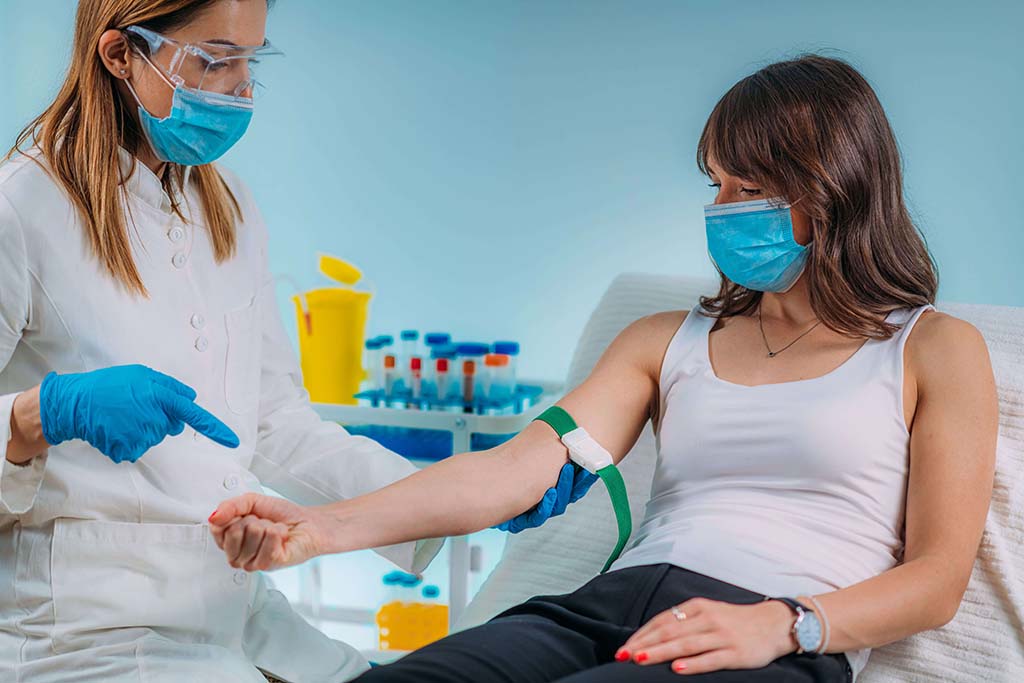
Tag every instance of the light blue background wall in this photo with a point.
(493, 165)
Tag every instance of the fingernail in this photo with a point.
(212, 515)
(641, 657)
(622, 655)
(679, 667)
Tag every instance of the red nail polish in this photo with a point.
(679, 666)
(641, 657)
(621, 655)
(210, 518)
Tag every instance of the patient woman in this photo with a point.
(824, 435)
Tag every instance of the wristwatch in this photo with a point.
(806, 629)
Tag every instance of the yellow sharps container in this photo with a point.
(332, 325)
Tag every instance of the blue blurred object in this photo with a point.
(400, 578)
(415, 444)
(472, 349)
(433, 339)
(525, 396)
(509, 348)
(444, 351)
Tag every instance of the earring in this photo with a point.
(123, 72)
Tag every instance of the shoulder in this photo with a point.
(26, 182)
(945, 350)
(662, 323)
(648, 338)
(24, 186)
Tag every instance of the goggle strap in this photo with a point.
(158, 71)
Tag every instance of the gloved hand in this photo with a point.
(123, 411)
(573, 484)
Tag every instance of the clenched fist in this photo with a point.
(260, 532)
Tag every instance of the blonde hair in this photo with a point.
(80, 132)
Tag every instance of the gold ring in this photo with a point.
(678, 613)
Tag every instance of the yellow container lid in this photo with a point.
(338, 270)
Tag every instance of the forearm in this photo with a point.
(456, 496)
(27, 440)
(919, 595)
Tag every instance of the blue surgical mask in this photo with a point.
(201, 127)
(752, 244)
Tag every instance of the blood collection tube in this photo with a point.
(510, 349)
(468, 378)
(443, 378)
(390, 375)
(372, 364)
(416, 380)
(499, 381)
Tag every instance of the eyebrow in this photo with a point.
(222, 41)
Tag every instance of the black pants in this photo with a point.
(573, 638)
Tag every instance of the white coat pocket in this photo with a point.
(109, 578)
(242, 364)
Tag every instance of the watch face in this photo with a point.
(808, 631)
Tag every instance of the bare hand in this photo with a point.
(260, 532)
(713, 635)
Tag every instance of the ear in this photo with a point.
(113, 51)
(803, 232)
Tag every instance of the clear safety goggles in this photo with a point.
(220, 68)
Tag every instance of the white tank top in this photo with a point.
(783, 489)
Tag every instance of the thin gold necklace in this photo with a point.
(772, 354)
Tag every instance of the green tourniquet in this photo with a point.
(561, 421)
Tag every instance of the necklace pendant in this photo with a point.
(771, 354)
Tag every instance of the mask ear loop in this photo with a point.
(131, 89)
(186, 176)
(154, 67)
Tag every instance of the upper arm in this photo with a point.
(615, 401)
(952, 444)
(622, 392)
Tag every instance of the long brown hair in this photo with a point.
(812, 130)
(79, 134)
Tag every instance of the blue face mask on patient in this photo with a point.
(752, 244)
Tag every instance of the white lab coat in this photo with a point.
(108, 571)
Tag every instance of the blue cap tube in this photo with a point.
(437, 338)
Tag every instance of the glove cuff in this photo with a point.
(50, 401)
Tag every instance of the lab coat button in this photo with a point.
(198, 321)
(178, 260)
(175, 234)
(231, 482)
(240, 578)
(202, 343)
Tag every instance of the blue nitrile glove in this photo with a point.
(123, 411)
(573, 484)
